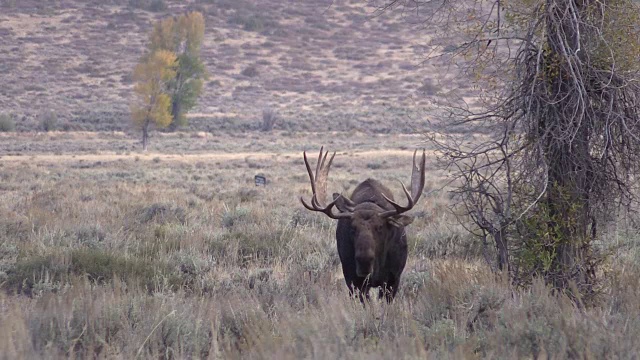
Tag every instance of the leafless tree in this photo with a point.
(561, 107)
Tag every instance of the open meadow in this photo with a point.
(110, 252)
(107, 252)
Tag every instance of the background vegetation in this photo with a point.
(560, 104)
(108, 252)
(322, 67)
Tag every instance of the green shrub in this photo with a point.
(9, 3)
(374, 165)
(48, 121)
(99, 267)
(29, 272)
(234, 217)
(450, 48)
(162, 214)
(90, 235)
(69, 329)
(222, 246)
(250, 71)
(248, 195)
(428, 88)
(269, 119)
(6, 123)
(255, 23)
(139, 4)
(151, 5)
(158, 5)
(165, 239)
(66, 126)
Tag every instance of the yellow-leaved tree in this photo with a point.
(151, 104)
(182, 35)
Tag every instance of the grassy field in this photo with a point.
(107, 252)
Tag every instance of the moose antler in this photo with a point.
(319, 187)
(417, 185)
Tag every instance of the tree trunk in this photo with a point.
(145, 135)
(567, 156)
(176, 103)
(176, 109)
(501, 248)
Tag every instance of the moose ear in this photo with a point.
(400, 220)
(343, 204)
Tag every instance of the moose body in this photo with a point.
(370, 235)
(373, 252)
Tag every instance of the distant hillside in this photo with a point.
(323, 64)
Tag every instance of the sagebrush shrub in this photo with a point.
(250, 71)
(48, 121)
(6, 123)
(269, 119)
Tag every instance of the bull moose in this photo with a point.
(371, 238)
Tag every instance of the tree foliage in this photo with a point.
(561, 92)
(152, 105)
(182, 35)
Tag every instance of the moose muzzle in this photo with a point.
(364, 266)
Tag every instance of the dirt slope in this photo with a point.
(325, 65)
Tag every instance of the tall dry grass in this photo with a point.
(183, 257)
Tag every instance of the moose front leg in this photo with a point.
(388, 290)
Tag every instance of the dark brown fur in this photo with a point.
(371, 240)
(373, 250)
